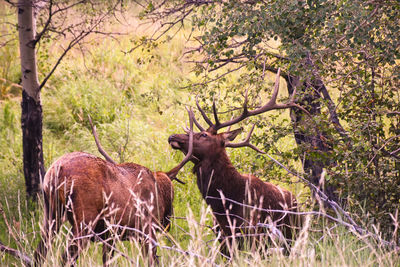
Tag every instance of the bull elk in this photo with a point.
(89, 192)
(230, 194)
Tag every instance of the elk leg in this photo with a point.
(75, 245)
(149, 247)
(224, 250)
(230, 243)
(150, 251)
(226, 247)
(224, 235)
(108, 250)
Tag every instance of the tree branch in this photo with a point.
(16, 253)
(83, 34)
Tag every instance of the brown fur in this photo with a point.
(216, 175)
(88, 190)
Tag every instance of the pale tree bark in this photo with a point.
(54, 20)
(31, 114)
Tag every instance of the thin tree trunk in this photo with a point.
(314, 139)
(31, 116)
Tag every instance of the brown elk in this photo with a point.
(238, 201)
(93, 194)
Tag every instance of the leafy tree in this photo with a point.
(342, 59)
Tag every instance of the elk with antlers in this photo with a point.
(99, 197)
(238, 201)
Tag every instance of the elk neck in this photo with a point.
(216, 174)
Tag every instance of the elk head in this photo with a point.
(205, 143)
(174, 171)
(209, 143)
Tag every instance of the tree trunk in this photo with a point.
(31, 116)
(314, 160)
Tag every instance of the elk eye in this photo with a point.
(203, 135)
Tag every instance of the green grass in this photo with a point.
(320, 244)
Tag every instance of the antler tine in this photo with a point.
(197, 124)
(96, 139)
(244, 107)
(267, 107)
(215, 115)
(209, 122)
(172, 173)
(246, 142)
(272, 102)
(190, 149)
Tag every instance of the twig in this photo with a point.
(98, 237)
(16, 253)
(82, 35)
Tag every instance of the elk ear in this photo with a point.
(231, 135)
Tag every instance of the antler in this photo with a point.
(96, 139)
(246, 113)
(204, 116)
(246, 142)
(172, 173)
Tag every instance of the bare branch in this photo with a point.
(155, 243)
(320, 87)
(393, 153)
(16, 253)
(216, 78)
(10, 230)
(169, 25)
(143, 234)
(3, 44)
(78, 38)
(46, 25)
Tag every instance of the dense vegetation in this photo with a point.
(137, 100)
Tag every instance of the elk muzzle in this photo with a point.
(179, 141)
